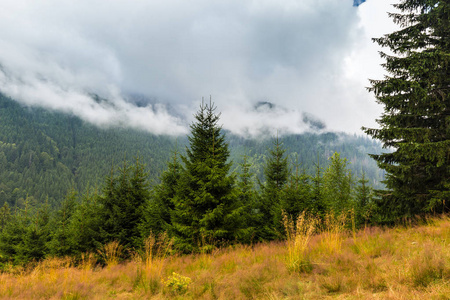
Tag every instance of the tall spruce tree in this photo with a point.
(206, 209)
(416, 119)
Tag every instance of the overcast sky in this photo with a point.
(307, 57)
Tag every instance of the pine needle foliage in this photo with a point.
(205, 204)
(416, 119)
(276, 174)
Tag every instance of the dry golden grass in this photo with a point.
(111, 253)
(398, 263)
(298, 236)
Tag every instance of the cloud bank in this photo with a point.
(309, 58)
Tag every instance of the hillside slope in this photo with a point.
(43, 154)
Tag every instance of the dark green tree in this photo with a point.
(11, 237)
(35, 240)
(416, 119)
(84, 225)
(122, 204)
(60, 244)
(318, 202)
(337, 185)
(364, 200)
(5, 215)
(205, 204)
(297, 193)
(276, 175)
(247, 198)
(158, 210)
(26, 236)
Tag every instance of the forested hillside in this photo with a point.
(45, 154)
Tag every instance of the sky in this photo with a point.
(268, 65)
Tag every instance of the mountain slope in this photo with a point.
(44, 154)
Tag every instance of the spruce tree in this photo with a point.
(122, 204)
(36, 238)
(317, 192)
(158, 210)
(337, 185)
(247, 199)
(59, 244)
(416, 119)
(205, 206)
(363, 197)
(5, 215)
(276, 175)
(84, 224)
(297, 193)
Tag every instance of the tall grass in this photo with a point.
(151, 261)
(111, 253)
(298, 234)
(396, 263)
(332, 232)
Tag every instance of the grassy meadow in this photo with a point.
(316, 262)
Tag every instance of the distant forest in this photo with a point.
(44, 154)
(199, 197)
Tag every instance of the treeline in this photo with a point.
(44, 155)
(198, 202)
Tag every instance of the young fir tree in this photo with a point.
(11, 236)
(363, 197)
(59, 244)
(337, 185)
(276, 175)
(247, 199)
(416, 99)
(122, 204)
(297, 193)
(5, 215)
(26, 236)
(158, 210)
(205, 206)
(84, 225)
(35, 240)
(318, 203)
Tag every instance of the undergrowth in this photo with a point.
(314, 262)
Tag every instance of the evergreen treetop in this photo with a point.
(205, 205)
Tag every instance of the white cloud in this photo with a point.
(305, 56)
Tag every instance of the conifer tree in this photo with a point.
(84, 225)
(35, 240)
(276, 175)
(416, 99)
(205, 204)
(247, 199)
(297, 193)
(122, 204)
(317, 189)
(337, 185)
(59, 244)
(363, 199)
(5, 215)
(158, 210)
(11, 237)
